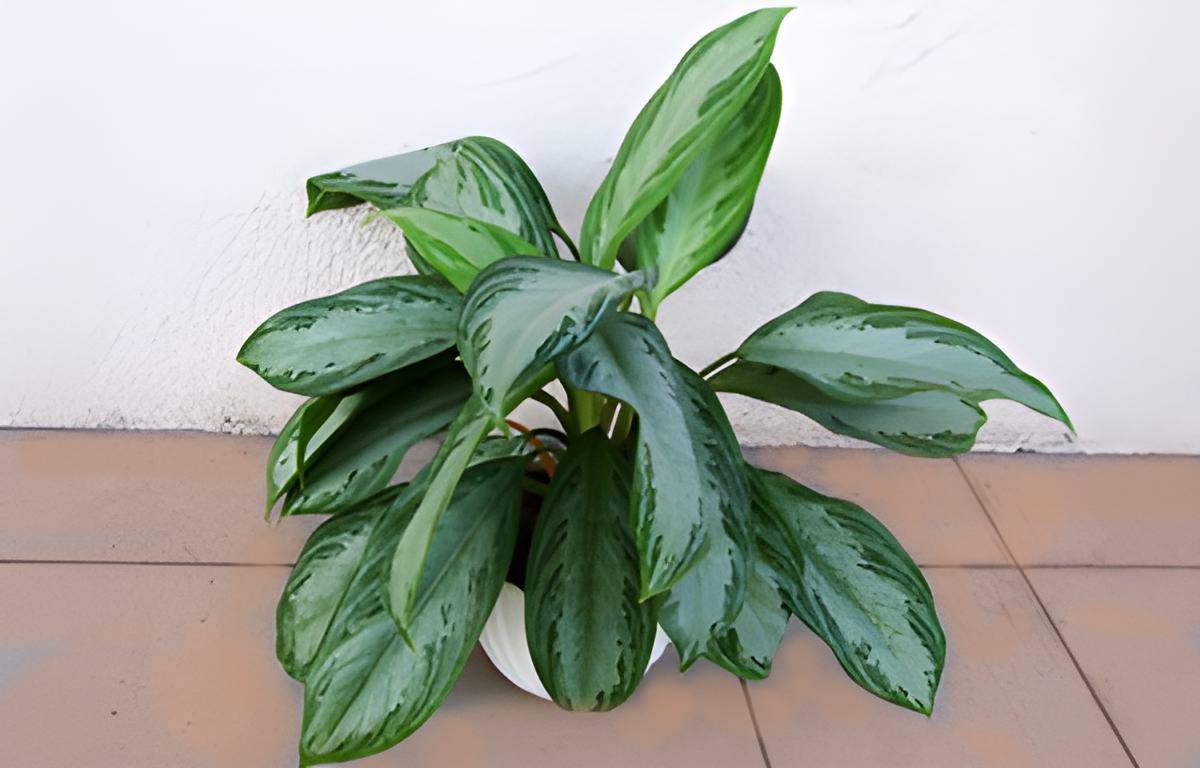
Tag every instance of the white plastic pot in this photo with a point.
(503, 641)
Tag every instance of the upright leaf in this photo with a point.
(710, 85)
(455, 246)
(859, 352)
(368, 689)
(521, 313)
(689, 493)
(363, 454)
(331, 344)
(932, 423)
(706, 211)
(589, 635)
(477, 177)
(849, 580)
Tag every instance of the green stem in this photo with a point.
(715, 364)
(551, 402)
(585, 406)
(624, 424)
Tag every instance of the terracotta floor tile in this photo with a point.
(1136, 633)
(143, 496)
(924, 502)
(1099, 510)
(1009, 698)
(117, 666)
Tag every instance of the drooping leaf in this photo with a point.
(707, 209)
(319, 580)
(690, 502)
(853, 584)
(589, 635)
(455, 246)
(364, 452)
(331, 344)
(521, 313)
(368, 689)
(932, 423)
(748, 645)
(860, 352)
(413, 547)
(710, 85)
(477, 177)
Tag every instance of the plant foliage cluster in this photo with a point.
(638, 509)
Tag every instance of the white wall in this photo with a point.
(1026, 166)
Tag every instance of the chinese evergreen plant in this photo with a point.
(639, 509)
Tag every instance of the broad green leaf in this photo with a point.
(860, 352)
(589, 635)
(932, 423)
(748, 645)
(311, 428)
(850, 581)
(707, 209)
(368, 689)
(690, 503)
(455, 246)
(319, 580)
(403, 577)
(364, 452)
(331, 344)
(708, 88)
(523, 312)
(477, 177)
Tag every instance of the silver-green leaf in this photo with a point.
(852, 583)
(362, 454)
(523, 312)
(690, 502)
(589, 634)
(368, 688)
(747, 646)
(319, 580)
(455, 246)
(476, 177)
(707, 209)
(334, 343)
(862, 353)
(708, 88)
(931, 423)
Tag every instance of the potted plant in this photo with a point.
(638, 509)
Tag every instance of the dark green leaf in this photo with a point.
(367, 689)
(362, 454)
(933, 423)
(707, 209)
(690, 498)
(589, 635)
(850, 581)
(523, 312)
(477, 177)
(859, 352)
(711, 85)
(331, 344)
(319, 580)
(455, 246)
(747, 647)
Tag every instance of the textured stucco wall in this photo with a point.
(1026, 166)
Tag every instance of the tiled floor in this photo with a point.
(138, 582)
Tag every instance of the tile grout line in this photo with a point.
(762, 744)
(1046, 612)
